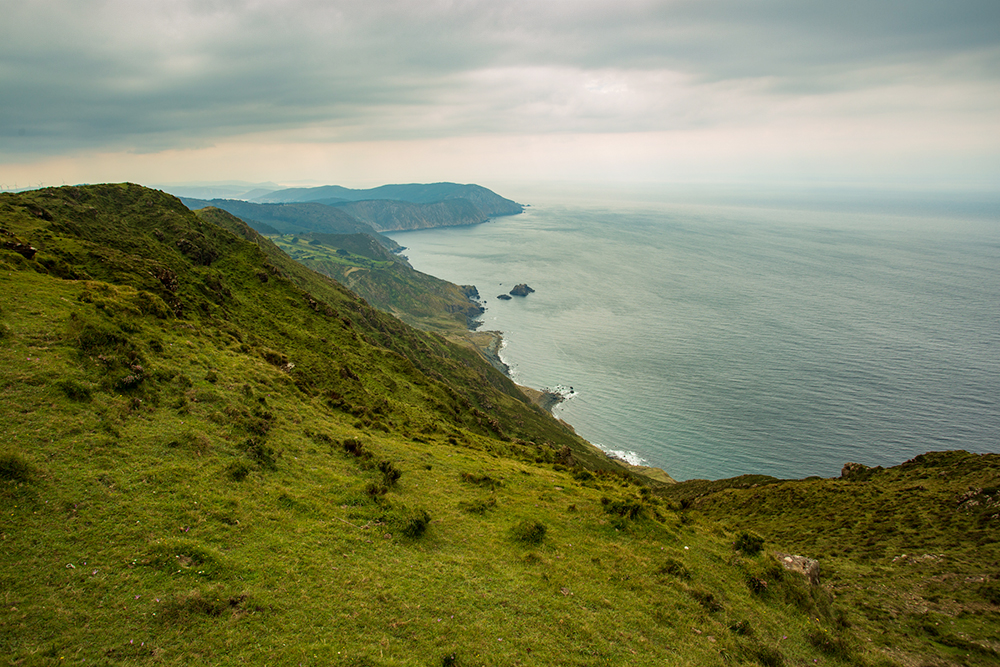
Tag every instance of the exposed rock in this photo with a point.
(521, 290)
(504, 297)
(807, 567)
(857, 472)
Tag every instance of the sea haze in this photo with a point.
(713, 341)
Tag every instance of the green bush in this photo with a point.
(390, 473)
(674, 567)
(238, 470)
(749, 543)
(74, 390)
(14, 469)
(529, 531)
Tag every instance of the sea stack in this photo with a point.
(521, 290)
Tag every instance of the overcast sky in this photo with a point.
(367, 92)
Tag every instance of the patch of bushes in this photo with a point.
(238, 470)
(675, 568)
(627, 509)
(478, 506)
(483, 480)
(356, 448)
(706, 599)
(741, 627)
(831, 645)
(390, 473)
(415, 523)
(748, 543)
(261, 453)
(74, 390)
(14, 469)
(756, 585)
(529, 531)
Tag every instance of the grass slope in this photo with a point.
(213, 455)
(911, 551)
(384, 280)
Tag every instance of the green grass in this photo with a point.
(214, 456)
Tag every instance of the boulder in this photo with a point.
(857, 472)
(807, 567)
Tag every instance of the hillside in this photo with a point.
(386, 281)
(214, 455)
(388, 215)
(294, 218)
(487, 201)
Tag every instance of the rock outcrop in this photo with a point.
(521, 290)
(807, 567)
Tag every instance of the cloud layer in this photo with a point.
(145, 76)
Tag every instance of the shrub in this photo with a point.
(749, 543)
(415, 523)
(741, 627)
(674, 567)
(264, 455)
(529, 531)
(627, 509)
(74, 390)
(238, 470)
(706, 599)
(482, 480)
(390, 473)
(829, 644)
(756, 584)
(479, 506)
(14, 469)
(356, 448)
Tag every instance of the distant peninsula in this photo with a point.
(338, 232)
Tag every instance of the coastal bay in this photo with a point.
(714, 341)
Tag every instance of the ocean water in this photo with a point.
(713, 341)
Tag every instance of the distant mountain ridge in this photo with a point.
(487, 201)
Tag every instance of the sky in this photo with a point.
(359, 93)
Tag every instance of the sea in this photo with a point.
(719, 336)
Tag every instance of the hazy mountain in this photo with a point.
(487, 201)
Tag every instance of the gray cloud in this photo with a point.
(146, 76)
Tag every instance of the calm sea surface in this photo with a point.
(714, 341)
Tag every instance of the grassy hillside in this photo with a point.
(214, 456)
(912, 552)
(294, 218)
(384, 280)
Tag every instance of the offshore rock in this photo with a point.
(504, 297)
(521, 290)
